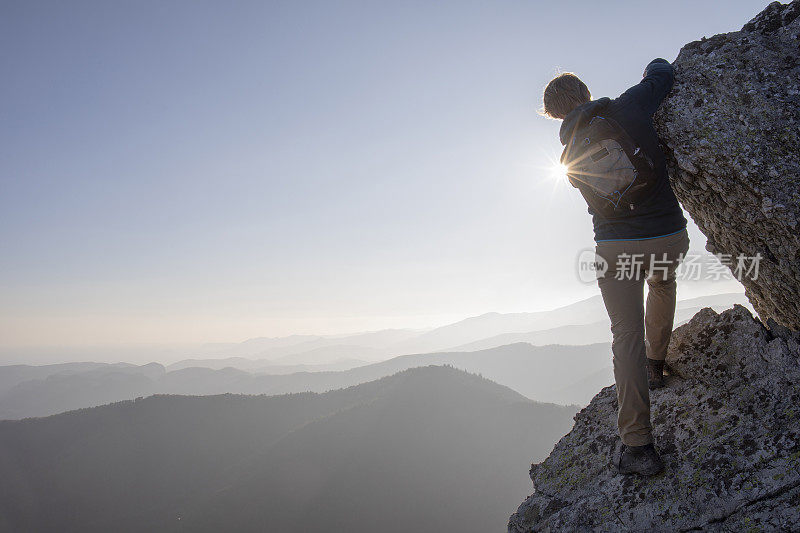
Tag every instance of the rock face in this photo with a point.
(731, 130)
(728, 422)
(727, 425)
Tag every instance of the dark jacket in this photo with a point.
(660, 214)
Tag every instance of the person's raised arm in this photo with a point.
(654, 87)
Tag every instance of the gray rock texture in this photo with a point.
(728, 422)
(731, 130)
(727, 425)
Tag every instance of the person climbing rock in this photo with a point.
(612, 156)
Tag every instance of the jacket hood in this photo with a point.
(580, 116)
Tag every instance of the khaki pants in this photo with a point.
(639, 333)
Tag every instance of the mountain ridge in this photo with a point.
(542, 375)
(248, 463)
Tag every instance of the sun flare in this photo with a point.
(560, 171)
(552, 174)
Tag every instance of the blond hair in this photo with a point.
(564, 93)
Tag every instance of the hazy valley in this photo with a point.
(304, 433)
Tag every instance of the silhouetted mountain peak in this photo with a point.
(394, 451)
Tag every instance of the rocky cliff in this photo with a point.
(731, 129)
(727, 425)
(728, 422)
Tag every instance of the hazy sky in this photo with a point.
(212, 171)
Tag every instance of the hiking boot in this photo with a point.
(655, 373)
(642, 460)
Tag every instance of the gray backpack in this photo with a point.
(612, 173)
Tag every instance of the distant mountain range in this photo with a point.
(596, 331)
(566, 374)
(542, 373)
(428, 449)
(584, 322)
(381, 431)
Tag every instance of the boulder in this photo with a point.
(727, 425)
(731, 130)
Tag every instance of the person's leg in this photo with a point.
(660, 313)
(667, 253)
(623, 297)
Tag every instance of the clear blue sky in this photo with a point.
(210, 171)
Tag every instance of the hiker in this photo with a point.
(612, 156)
